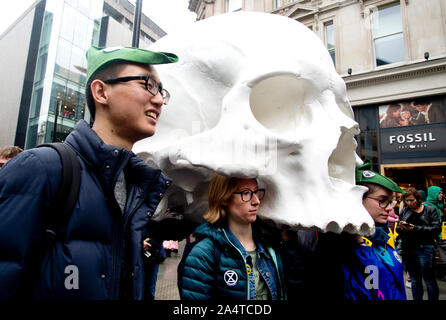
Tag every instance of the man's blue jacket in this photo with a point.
(98, 254)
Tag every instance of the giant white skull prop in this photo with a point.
(256, 95)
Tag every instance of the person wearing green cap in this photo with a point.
(348, 266)
(98, 253)
(419, 228)
(377, 257)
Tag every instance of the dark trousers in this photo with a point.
(420, 265)
(151, 277)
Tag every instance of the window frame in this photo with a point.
(379, 7)
(325, 25)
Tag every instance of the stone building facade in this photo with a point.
(392, 56)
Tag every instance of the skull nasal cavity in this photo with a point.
(278, 104)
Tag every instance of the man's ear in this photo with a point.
(99, 91)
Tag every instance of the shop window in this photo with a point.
(277, 4)
(414, 112)
(329, 40)
(411, 129)
(388, 37)
(367, 139)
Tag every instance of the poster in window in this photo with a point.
(413, 112)
(413, 126)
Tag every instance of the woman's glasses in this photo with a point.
(247, 194)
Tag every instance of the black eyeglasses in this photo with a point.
(384, 203)
(151, 85)
(247, 194)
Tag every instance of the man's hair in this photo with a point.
(413, 192)
(421, 101)
(108, 72)
(372, 188)
(9, 152)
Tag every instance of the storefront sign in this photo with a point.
(413, 139)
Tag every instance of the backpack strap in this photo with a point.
(61, 208)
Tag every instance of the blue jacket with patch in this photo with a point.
(98, 254)
(209, 277)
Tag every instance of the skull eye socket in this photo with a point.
(278, 104)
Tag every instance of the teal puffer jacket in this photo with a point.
(211, 274)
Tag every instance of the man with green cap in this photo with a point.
(98, 253)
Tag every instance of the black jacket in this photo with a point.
(425, 232)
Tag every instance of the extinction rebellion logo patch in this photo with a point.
(231, 278)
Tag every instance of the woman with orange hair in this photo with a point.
(231, 261)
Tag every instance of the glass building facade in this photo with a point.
(69, 28)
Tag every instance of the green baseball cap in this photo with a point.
(364, 174)
(98, 57)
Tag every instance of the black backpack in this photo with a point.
(57, 216)
(65, 199)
